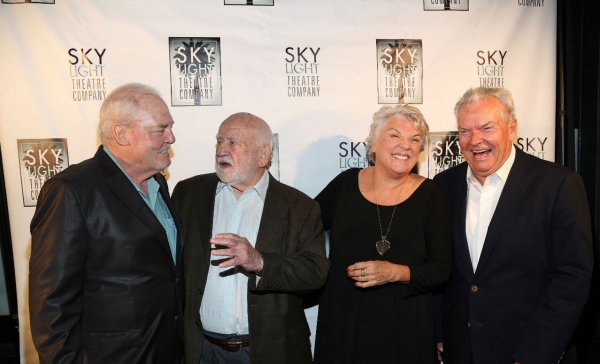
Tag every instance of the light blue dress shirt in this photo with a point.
(224, 308)
(157, 205)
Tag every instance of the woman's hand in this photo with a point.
(377, 272)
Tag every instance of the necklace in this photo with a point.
(383, 245)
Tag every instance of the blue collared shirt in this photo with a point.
(157, 204)
(224, 307)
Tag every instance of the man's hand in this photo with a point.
(240, 251)
(440, 351)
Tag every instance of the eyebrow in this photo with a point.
(399, 132)
(228, 138)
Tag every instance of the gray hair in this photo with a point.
(122, 106)
(381, 117)
(475, 95)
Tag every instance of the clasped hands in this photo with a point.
(240, 251)
(377, 272)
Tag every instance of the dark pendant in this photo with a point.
(382, 246)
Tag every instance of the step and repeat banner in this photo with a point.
(315, 70)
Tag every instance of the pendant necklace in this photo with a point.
(383, 245)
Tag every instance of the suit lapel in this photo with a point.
(462, 255)
(164, 192)
(511, 196)
(274, 216)
(205, 206)
(122, 187)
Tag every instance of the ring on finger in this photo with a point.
(362, 272)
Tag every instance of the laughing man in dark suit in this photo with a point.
(522, 244)
(105, 267)
(252, 246)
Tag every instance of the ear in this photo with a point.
(120, 134)
(512, 128)
(265, 155)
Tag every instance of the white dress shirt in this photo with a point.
(224, 307)
(481, 204)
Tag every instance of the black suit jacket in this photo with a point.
(524, 300)
(292, 243)
(103, 287)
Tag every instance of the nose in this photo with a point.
(170, 137)
(404, 142)
(475, 138)
(221, 149)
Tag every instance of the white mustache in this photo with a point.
(225, 160)
(163, 150)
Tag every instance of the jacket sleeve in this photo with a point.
(555, 317)
(437, 267)
(56, 274)
(303, 269)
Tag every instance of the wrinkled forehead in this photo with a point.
(238, 130)
(483, 111)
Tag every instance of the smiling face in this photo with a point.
(151, 136)
(240, 160)
(398, 146)
(484, 136)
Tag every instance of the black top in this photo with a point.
(392, 322)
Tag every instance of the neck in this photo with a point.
(384, 180)
(131, 170)
(240, 188)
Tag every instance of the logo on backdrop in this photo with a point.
(490, 68)
(195, 71)
(86, 68)
(302, 70)
(534, 146)
(274, 165)
(249, 2)
(400, 71)
(40, 160)
(27, 1)
(353, 155)
(429, 5)
(443, 152)
(534, 3)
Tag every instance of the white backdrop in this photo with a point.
(513, 40)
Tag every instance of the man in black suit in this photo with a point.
(105, 268)
(252, 246)
(522, 244)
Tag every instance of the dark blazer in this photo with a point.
(292, 243)
(103, 287)
(533, 277)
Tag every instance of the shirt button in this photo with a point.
(200, 291)
(468, 324)
(176, 318)
(474, 288)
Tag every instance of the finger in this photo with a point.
(229, 263)
(356, 273)
(357, 266)
(364, 284)
(223, 241)
(222, 252)
(227, 236)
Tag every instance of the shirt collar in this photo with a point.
(151, 182)
(260, 187)
(501, 173)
